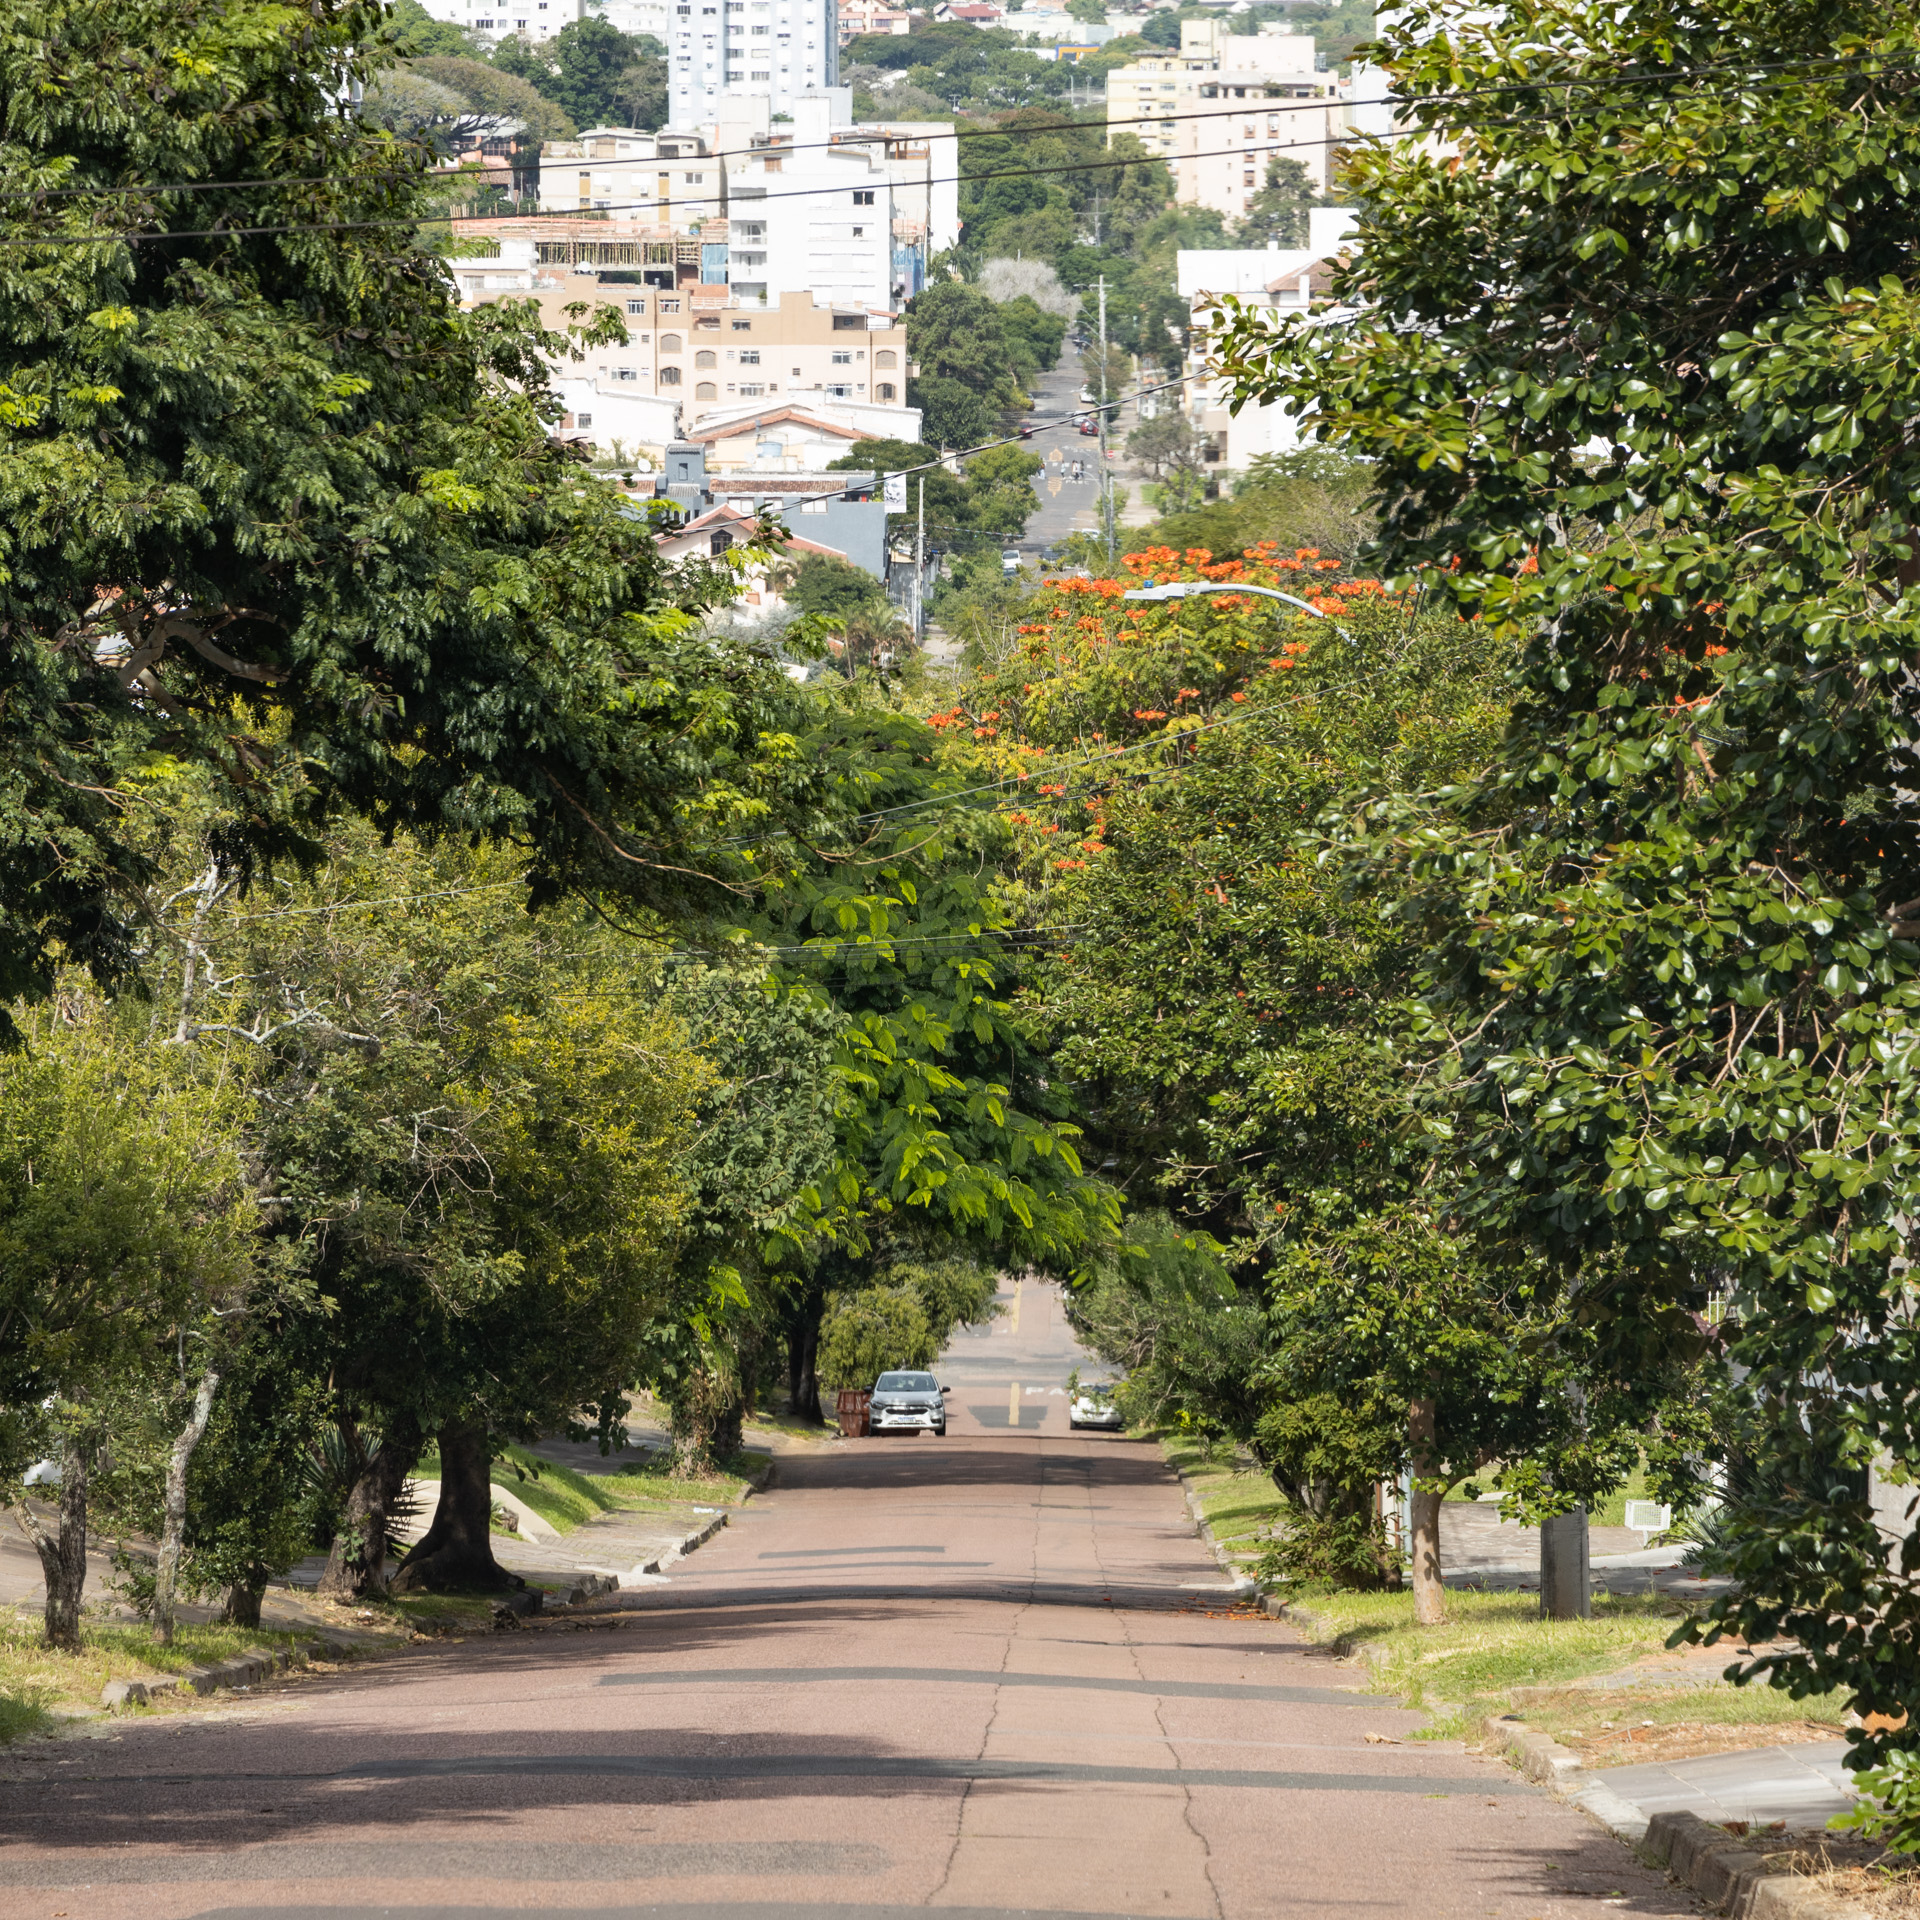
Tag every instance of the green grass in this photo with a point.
(1490, 1644)
(35, 1680)
(1238, 1500)
(567, 1499)
(24, 1714)
(1582, 1714)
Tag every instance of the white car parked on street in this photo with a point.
(907, 1403)
(1095, 1409)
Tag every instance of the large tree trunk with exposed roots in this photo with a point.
(357, 1560)
(455, 1554)
(1429, 1594)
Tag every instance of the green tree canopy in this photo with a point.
(835, 589)
(598, 75)
(270, 500)
(1660, 442)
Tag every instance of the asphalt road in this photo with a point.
(1067, 505)
(993, 1674)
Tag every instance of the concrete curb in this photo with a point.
(1715, 1863)
(1244, 1582)
(1560, 1770)
(1724, 1869)
(243, 1670)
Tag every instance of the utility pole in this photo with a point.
(1106, 470)
(920, 570)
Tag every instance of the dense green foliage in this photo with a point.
(597, 75)
(1657, 439)
(272, 502)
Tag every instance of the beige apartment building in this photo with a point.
(673, 179)
(697, 354)
(697, 346)
(1224, 104)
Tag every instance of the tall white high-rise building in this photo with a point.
(651, 17)
(491, 20)
(778, 49)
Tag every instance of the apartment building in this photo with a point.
(650, 17)
(491, 20)
(814, 217)
(778, 49)
(696, 356)
(1222, 104)
(1283, 281)
(873, 16)
(1248, 118)
(670, 180)
(791, 183)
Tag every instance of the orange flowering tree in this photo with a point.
(1227, 1007)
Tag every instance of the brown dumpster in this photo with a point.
(852, 1409)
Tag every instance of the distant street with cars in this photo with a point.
(982, 1676)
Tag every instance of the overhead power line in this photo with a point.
(759, 198)
(1021, 132)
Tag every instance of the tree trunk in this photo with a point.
(244, 1597)
(455, 1554)
(802, 1371)
(1566, 1589)
(1429, 1595)
(357, 1560)
(173, 1525)
(63, 1557)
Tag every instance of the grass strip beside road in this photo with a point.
(38, 1686)
(1237, 1498)
(1494, 1644)
(567, 1499)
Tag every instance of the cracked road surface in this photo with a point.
(993, 1674)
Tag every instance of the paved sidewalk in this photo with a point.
(1804, 1786)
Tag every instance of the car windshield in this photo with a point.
(904, 1383)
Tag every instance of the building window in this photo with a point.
(706, 359)
(749, 356)
(583, 419)
(751, 390)
(859, 233)
(636, 306)
(863, 197)
(624, 373)
(718, 543)
(669, 342)
(706, 390)
(843, 358)
(743, 326)
(669, 376)
(885, 390)
(670, 306)
(886, 358)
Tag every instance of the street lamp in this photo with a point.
(1179, 589)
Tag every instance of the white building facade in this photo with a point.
(1279, 282)
(492, 20)
(720, 48)
(1222, 104)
